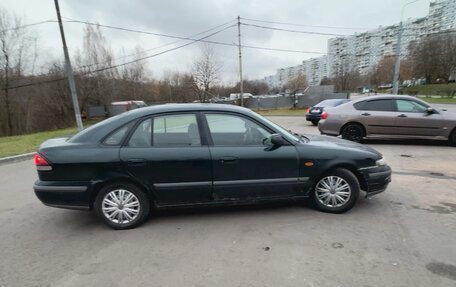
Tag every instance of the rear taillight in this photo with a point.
(308, 110)
(324, 115)
(41, 163)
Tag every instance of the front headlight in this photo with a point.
(381, 162)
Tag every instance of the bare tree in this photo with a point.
(297, 83)
(346, 78)
(96, 54)
(434, 57)
(16, 47)
(205, 73)
(133, 79)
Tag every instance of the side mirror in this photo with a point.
(430, 111)
(274, 141)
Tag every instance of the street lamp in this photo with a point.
(397, 64)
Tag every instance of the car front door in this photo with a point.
(167, 154)
(377, 116)
(414, 119)
(242, 166)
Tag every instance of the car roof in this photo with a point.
(187, 107)
(384, 96)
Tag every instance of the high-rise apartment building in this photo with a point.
(363, 51)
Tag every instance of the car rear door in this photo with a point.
(377, 115)
(167, 154)
(242, 166)
(413, 119)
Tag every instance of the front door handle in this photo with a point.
(136, 161)
(228, 160)
(401, 116)
(365, 114)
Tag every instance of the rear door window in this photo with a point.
(176, 130)
(384, 105)
(166, 131)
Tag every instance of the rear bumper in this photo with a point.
(376, 179)
(71, 195)
(313, 117)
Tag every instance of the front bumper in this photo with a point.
(376, 179)
(70, 195)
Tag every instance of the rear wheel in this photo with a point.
(337, 191)
(314, 122)
(352, 132)
(452, 138)
(122, 205)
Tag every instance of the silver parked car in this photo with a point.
(389, 116)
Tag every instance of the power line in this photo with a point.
(304, 25)
(158, 47)
(126, 63)
(130, 30)
(160, 53)
(27, 25)
(295, 31)
(283, 50)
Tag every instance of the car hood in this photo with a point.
(334, 142)
(448, 115)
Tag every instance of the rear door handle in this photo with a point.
(401, 116)
(228, 160)
(365, 114)
(136, 161)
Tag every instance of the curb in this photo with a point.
(15, 158)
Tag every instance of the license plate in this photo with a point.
(314, 111)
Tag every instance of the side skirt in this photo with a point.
(251, 201)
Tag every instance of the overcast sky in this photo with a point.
(186, 18)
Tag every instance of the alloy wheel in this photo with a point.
(333, 191)
(353, 133)
(120, 206)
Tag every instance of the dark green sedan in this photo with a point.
(200, 155)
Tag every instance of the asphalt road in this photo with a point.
(403, 237)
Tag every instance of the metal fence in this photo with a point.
(308, 98)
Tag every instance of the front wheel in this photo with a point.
(122, 205)
(336, 192)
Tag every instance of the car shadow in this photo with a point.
(245, 208)
(423, 142)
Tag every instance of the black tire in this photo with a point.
(452, 138)
(352, 132)
(350, 179)
(315, 123)
(139, 194)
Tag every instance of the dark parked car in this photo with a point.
(313, 114)
(198, 155)
(389, 116)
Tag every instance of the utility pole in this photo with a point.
(69, 71)
(397, 64)
(240, 62)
